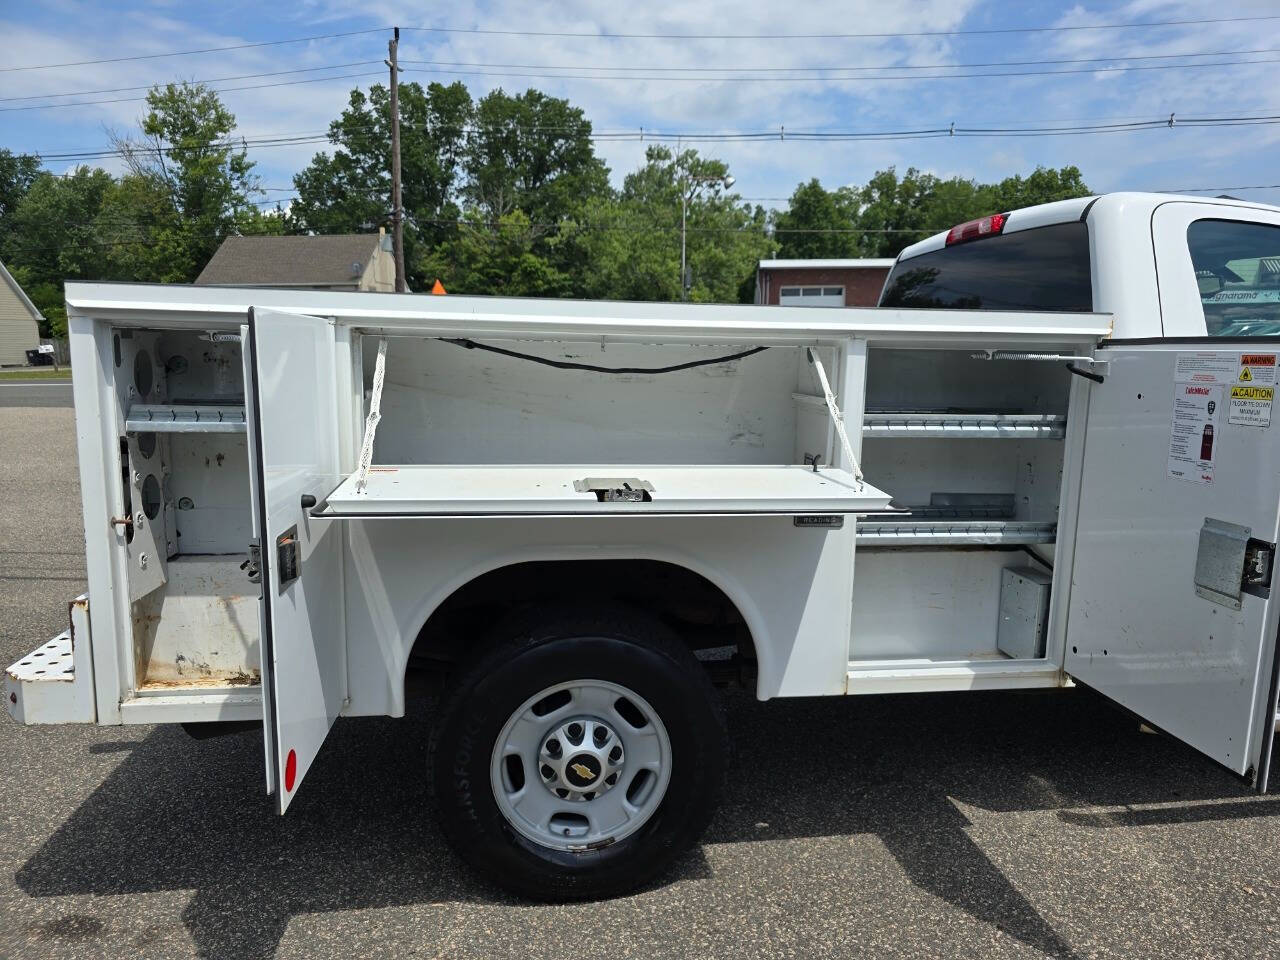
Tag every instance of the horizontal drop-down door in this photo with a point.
(293, 438)
(559, 490)
(1170, 613)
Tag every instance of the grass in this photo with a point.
(37, 373)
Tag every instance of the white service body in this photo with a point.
(220, 432)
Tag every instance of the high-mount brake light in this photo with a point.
(977, 229)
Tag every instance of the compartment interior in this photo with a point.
(185, 477)
(972, 450)
(446, 404)
(519, 428)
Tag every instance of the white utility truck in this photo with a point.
(1048, 458)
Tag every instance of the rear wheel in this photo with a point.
(580, 756)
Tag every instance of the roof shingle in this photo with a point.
(335, 260)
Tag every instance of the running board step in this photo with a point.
(54, 682)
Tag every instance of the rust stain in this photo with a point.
(237, 679)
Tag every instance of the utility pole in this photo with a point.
(684, 216)
(690, 185)
(397, 207)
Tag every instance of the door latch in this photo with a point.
(253, 566)
(1259, 558)
(1230, 562)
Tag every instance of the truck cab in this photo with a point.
(1046, 459)
(1156, 263)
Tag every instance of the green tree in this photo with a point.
(1043, 185)
(189, 183)
(349, 190)
(818, 223)
(55, 234)
(534, 153)
(18, 171)
(497, 258)
(631, 247)
(897, 211)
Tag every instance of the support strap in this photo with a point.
(371, 422)
(837, 418)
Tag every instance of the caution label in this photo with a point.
(1251, 405)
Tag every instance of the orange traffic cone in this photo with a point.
(438, 289)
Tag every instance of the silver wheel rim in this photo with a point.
(581, 765)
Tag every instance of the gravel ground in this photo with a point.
(1012, 824)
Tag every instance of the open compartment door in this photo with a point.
(1171, 613)
(293, 447)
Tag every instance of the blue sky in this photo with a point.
(63, 31)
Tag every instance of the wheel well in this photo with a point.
(697, 610)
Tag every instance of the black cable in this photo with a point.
(570, 365)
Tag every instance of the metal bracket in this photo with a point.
(1230, 562)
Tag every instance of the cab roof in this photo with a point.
(1079, 208)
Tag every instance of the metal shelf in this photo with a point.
(185, 418)
(916, 533)
(941, 424)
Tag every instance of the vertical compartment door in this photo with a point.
(1171, 611)
(293, 446)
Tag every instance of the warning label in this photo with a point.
(1257, 368)
(1251, 405)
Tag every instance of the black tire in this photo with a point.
(529, 653)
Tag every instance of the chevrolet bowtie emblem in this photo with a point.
(582, 770)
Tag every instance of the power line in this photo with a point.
(650, 36)
(828, 78)
(254, 86)
(652, 69)
(861, 68)
(188, 53)
(1263, 186)
(148, 86)
(841, 36)
(780, 134)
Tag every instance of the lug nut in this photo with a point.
(553, 747)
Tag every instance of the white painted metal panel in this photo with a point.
(519, 490)
(791, 584)
(1136, 630)
(293, 426)
(584, 320)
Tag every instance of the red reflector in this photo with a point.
(977, 229)
(290, 770)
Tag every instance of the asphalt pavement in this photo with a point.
(35, 393)
(1006, 825)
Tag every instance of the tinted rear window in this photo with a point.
(1042, 269)
(1238, 272)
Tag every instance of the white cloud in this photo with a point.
(1181, 157)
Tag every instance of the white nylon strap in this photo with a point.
(371, 422)
(837, 417)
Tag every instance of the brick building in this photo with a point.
(821, 283)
